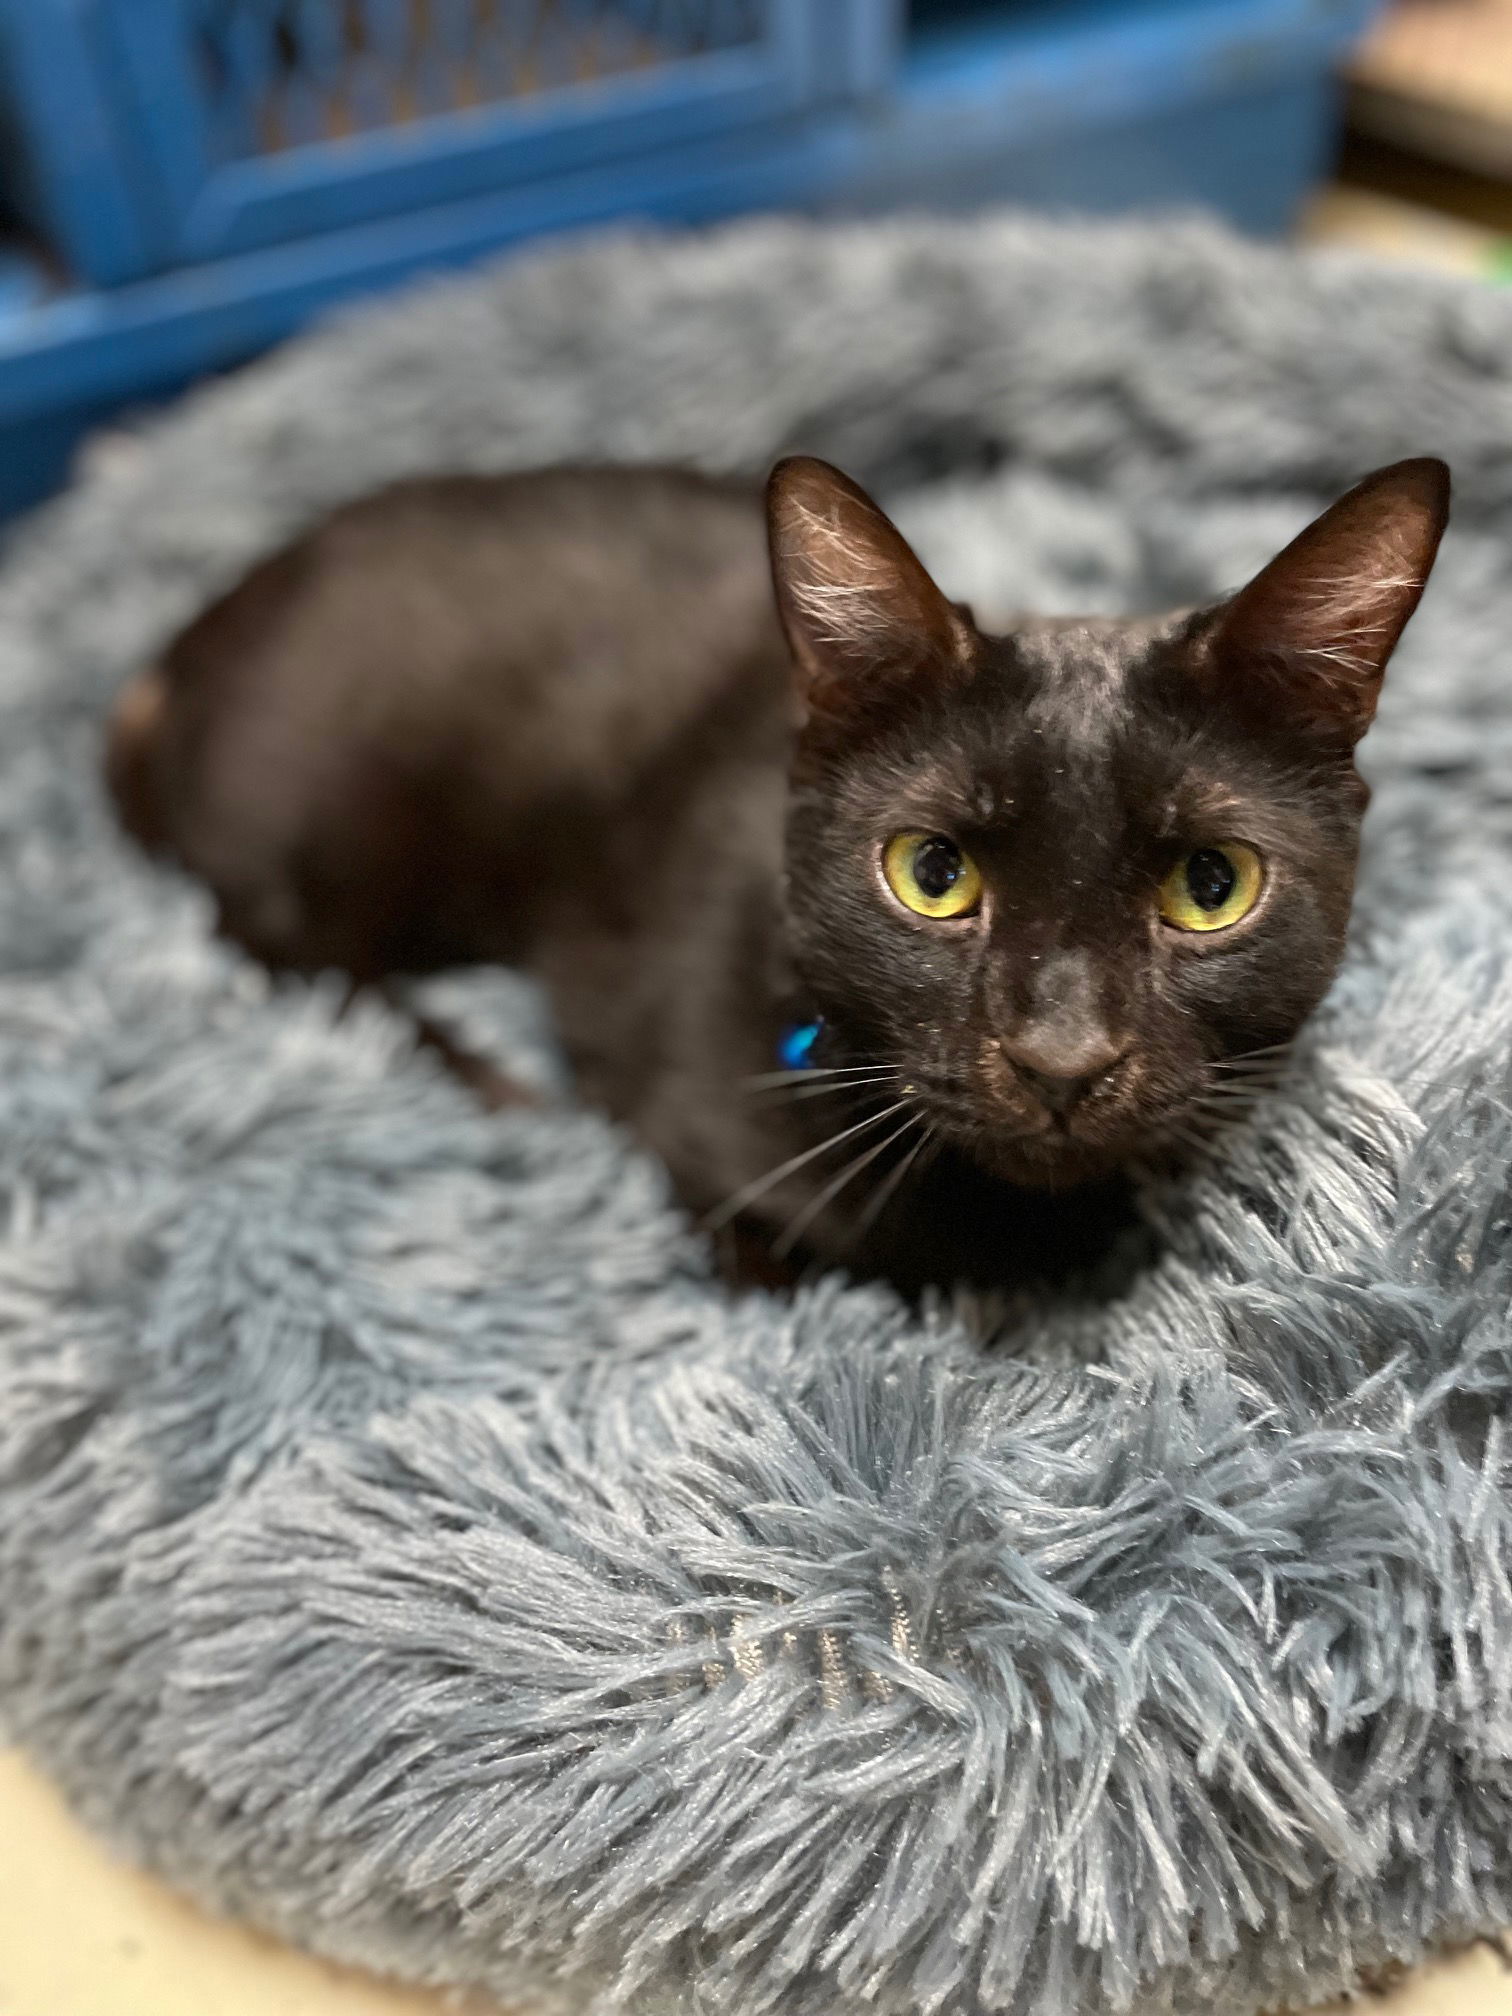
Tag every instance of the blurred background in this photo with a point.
(183, 182)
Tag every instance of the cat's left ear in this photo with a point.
(1313, 631)
(861, 613)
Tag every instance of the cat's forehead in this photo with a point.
(1089, 726)
(1067, 693)
(1076, 671)
(1064, 724)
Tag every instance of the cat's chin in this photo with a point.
(1056, 1160)
(1052, 1160)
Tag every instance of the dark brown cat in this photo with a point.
(1012, 908)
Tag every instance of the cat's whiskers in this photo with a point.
(1233, 1084)
(1220, 1109)
(891, 1183)
(787, 1098)
(1216, 1114)
(1176, 1134)
(1207, 1131)
(799, 1223)
(779, 1095)
(1234, 1095)
(748, 1194)
(766, 1081)
(1244, 1084)
(1266, 1053)
(1215, 1128)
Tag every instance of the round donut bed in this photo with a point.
(405, 1541)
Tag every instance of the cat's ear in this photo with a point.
(861, 614)
(1315, 628)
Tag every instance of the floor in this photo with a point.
(80, 1935)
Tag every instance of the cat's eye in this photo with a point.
(930, 875)
(1212, 888)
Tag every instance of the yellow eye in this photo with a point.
(931, 875)
(1212, 888)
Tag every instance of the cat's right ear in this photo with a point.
(861, 613)
(1309, 637)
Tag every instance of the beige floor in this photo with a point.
(1367, 220)
(82, 1936)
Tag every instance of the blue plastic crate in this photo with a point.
(228, 125)
(1108, 105)
(207, 174)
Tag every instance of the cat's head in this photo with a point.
(1061, 882)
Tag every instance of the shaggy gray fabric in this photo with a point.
(403, 1542)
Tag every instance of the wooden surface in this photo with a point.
(81, 1935)
(1370, 221)
(1457, 53)
(1436, 76)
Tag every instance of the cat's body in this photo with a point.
(434, 734)
(553, 720)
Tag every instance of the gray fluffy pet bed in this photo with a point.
(405, 1543)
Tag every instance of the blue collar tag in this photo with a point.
(795, 1047)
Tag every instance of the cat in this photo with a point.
(898, 942)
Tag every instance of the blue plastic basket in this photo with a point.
(202, 175)
(213, 127)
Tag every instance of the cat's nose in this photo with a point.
(1061, 1069)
